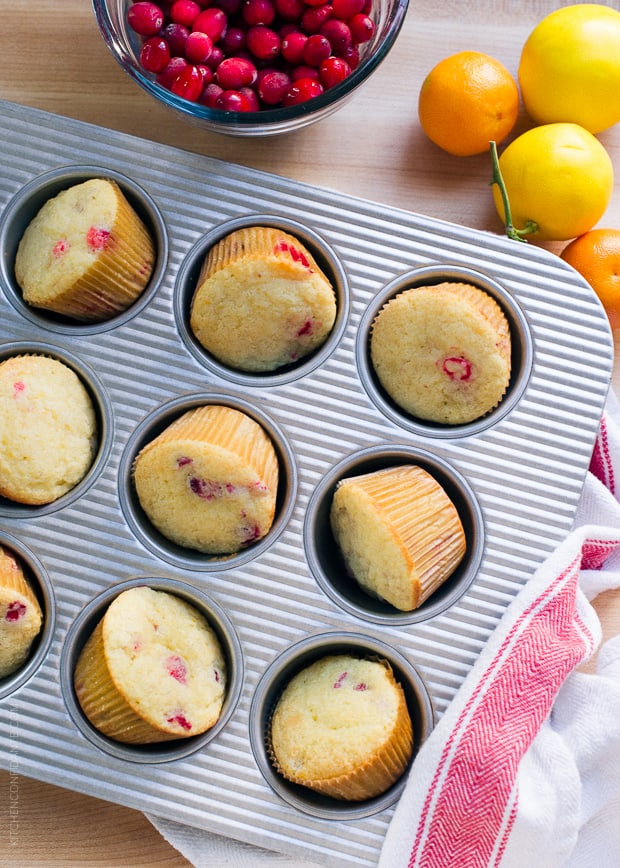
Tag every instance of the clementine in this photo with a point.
(596, 256)
(467, 100)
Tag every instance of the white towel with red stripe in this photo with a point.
(523, 768)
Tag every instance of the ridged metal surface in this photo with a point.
(527, 471)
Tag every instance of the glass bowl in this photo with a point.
(124, 44)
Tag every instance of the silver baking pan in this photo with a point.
(515, 476)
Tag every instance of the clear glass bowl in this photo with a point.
(125, 46)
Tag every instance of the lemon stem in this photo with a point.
(511, 230)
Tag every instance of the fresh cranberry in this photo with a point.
(252, 98)
(198, 47)
(184, 12)
(216, 57)
(234, 73)
(338, 33)
(302, 90)
(313, 19)
(210, 95)
(302, 71)
(258, 12)
(263, 42)
(317, 50)
(290, 10)
(146, 19)
(233, 101)
(332, 71)
(171, 71)
(345, 9)
(233, 40)
(362, 28)
(155, 54)
(206, 73)
(176, 37)
(352, 56)
(273, 85)
(188, 83)
(292, 47)
(211, 21)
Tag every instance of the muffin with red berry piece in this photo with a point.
(342, 728)
(86, 254)
(262, 301)
(152, 670)
(21, 617)
(399, 533)
(442, 352)
(209, 481)
(48, 429)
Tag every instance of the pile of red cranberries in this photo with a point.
(249, 55)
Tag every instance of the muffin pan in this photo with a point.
(516, 476)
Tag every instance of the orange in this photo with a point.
(466, 101)
(596, 256)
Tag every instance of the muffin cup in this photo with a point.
(86, 628)
(104, 421)
(27, 203)
(190, 275)
(326, 561)
(155, 424)
(40, 586)
(521, 350)
(274, 680)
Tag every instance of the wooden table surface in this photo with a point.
(54, 58)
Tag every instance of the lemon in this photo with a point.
(570, 67)
(558, 179)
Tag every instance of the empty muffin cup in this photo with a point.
(28, 614)
(334, 648)
(261, 300)
(128, 632)
(104, 273)
(68, 434)
(229, 475)
(444, 351)
(327, 560)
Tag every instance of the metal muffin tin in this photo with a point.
(516, 476)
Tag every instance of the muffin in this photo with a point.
(20, 615)
(152, 670)
(209, 481)
(442, 353)
(86, 254)
(262, 301)
(48, 429)
(342, 727)
(399, 533)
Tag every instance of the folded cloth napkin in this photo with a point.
(523, 768)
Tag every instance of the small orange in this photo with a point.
(596, 256)
(467, 100)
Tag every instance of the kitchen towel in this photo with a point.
(523, 768)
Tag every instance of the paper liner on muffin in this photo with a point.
(228, 429)
(258, 242)
(22, 612)
(409, 508)
(370, 778)
(117, 276)
(103, 704)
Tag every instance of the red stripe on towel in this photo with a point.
(465, 810)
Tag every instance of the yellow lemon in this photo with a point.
(570, 67)
(558, 179)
